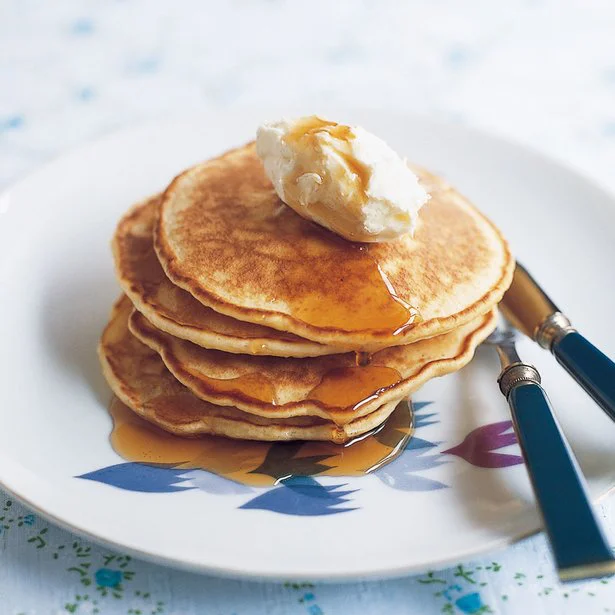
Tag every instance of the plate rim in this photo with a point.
(370, 574)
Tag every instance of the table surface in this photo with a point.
(538, 71)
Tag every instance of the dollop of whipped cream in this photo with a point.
(341, 177)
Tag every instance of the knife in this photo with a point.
(531, 311)
(579, 546)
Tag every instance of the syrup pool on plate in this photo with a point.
(260, 463)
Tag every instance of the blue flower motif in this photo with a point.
(302, 495)
(134, 476)
(108, 578)
(470, 603)
(29, 519)
(401, 473)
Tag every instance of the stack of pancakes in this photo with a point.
(241, 318)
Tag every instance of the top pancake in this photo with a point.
(224, 235)
(176, 311)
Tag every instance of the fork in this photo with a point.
(578, 544)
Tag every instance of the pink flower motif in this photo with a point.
(478, 446)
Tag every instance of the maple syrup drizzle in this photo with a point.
(251, 386)
(375, 304)
(362, 359)
(260, 463)
(351, 387)
(304, 137)
(305, 134)
(340, 388)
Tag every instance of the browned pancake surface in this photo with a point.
(224, 235)
(175, 310)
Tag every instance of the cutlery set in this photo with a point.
(578, 544)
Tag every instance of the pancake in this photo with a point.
(224, 236)
(175, 310)
(331, 387)
(139, 378)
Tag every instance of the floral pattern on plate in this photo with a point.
(298, 484)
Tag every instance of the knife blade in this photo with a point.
(529, 308)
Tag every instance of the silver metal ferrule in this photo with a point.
(517, 374)
(553, 329)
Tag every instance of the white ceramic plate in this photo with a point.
(428, 509)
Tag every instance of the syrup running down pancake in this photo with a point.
(332, 387)
(140, 379)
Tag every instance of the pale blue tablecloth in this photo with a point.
(541, 72)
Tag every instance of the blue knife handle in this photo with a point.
(592, 369)
(579, 546)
